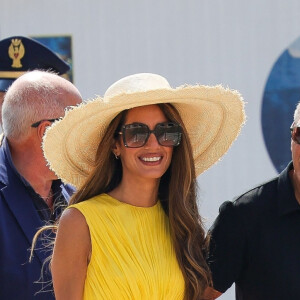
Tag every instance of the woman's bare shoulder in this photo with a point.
(71, 221)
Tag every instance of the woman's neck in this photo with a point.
(143, 193)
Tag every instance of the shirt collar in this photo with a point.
(287, 202)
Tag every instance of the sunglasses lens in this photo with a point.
(168, 134)
(135, 135)
(296, 134)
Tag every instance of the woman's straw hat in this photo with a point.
(213, 116)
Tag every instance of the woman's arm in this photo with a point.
(71, 254)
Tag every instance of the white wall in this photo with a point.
(233, 42)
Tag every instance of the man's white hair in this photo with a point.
(35, 96)
(297, 115)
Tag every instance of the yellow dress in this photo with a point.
(132, 253)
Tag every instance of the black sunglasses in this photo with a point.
(135, 135)
(36, 124)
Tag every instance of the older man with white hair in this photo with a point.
(30, 193)
(255, 242)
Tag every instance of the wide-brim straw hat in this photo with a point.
(212, 115)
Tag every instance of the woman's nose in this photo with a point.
(152, 141)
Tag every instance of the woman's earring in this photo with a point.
(116, 156)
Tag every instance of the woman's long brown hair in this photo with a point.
(178, 200)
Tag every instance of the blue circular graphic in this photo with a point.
(280, 98)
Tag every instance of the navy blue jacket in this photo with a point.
(19, 221)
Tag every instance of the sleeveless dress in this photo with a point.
(132, 253)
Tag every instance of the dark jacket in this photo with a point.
(19, 221)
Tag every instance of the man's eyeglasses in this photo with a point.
(36, 124)
(136, 135)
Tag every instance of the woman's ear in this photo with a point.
(116, 149)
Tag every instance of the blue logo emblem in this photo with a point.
(280, 98)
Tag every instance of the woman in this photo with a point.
(132, 230)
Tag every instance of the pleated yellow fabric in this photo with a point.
(132, 253)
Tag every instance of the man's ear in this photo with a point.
(42, 129)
